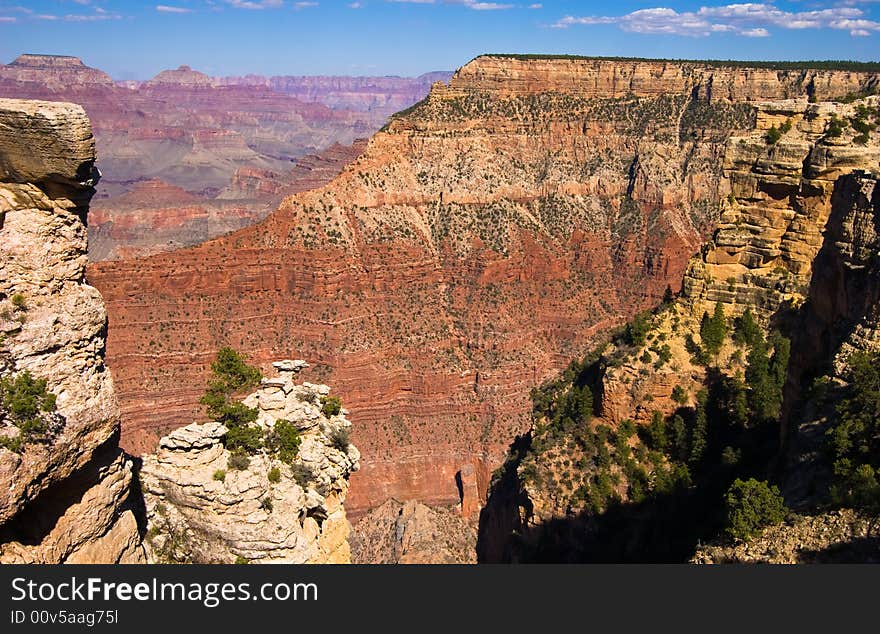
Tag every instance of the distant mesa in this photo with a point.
(33, 60)
(182, 76)
(53, 71)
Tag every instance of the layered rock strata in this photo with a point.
(796, 245)
(481, 241)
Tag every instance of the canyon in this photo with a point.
(70, 494)
(482, 240)
(440, 276)
(638, 473)
(186, 157)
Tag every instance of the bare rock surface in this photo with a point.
(413, 533)
(201, 509)
(63, 492)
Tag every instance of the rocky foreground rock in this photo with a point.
(202, 509)
(64, 491)
(834, 537)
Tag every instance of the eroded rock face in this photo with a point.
(201, 509)
(771, 250)
(603, 77)
(412, 533)
(480, 243)
(62, 496)
(797, 245)
(771, 227)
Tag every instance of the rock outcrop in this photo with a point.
(56, 72)
(483, 239)
(202, 507)
(412, 533)
(64, 486)
(840, 537)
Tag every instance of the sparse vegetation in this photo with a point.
(679, 395)
(835, 127)
(231, 374)
(854, 440)
(284, 441)
(302, 474)
(751, 506)
(238, 460)
(19, 301)
(274, 475)
(220, 475)
(26, 402)
(713, 331)
(637, 329)
(340, 438)
(331, 405)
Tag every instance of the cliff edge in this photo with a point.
(64, 482)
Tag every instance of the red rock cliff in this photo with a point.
(479, 244)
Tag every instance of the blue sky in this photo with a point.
(134, 39)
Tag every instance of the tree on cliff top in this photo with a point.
(752, 505)
(230, 374)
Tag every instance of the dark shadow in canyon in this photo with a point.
(38, 518)
(669, 527)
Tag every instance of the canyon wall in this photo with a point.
(185, 159)
(64, 483)
(795, 246)
(382, 96)
(483, 239)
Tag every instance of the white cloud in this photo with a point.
(4, 18)
(746, 19)
(98, 17)
(470, 4)
(356, 5)
(164, 8)
(304, 5)
(487, 6)
(256, 4)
